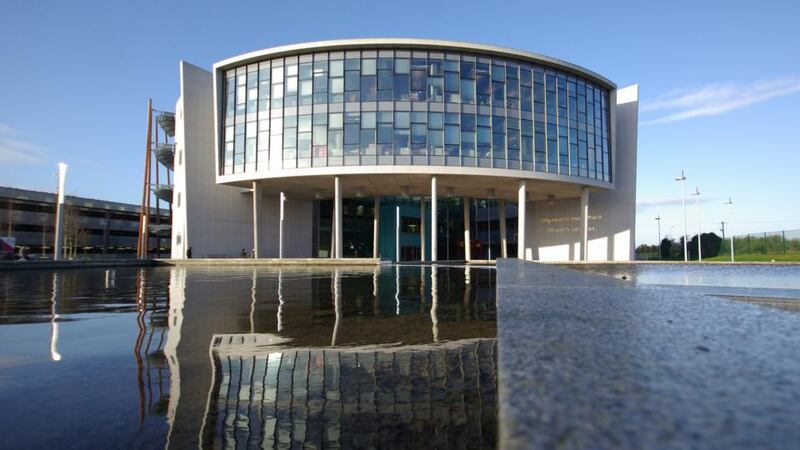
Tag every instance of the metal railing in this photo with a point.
(784, 241)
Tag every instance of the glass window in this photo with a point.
(368, 67)
(351, 134)
(337, 68)
(435, 120)
(385, 132)
(436, 68)
(418, 133)
(467, 122)
(336, 120)
(401, 66)
(401, 120)
(451, 81)
(367, 120)
(351, 80)
(498, 73)
(467, 69)
(498, 93)
(467, 91)
(369, 88)
(401, 87)
(451, 134)
(435, 89)
(304, 124)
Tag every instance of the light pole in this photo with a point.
(682, 179)
(658, 220)
(730, 224)
(696, 194)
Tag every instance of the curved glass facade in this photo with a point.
(412, 107)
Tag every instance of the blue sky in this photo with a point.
(719, 84)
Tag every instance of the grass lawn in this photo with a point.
(778, 257)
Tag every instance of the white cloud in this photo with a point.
(715, 99)
(16, 151)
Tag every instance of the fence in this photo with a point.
(786, 241)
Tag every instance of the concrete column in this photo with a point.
(59, 238)
(434, 226)
(584, 223)
(397, 234)
(106, 232)
(522, 199)
(256, 201)
(337, 217)
(280, 225)
(503, 234)
(376, 226)
(467, 223)
(422, 228)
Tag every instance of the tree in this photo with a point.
(74, 233)
(710, 243)
(666, 248)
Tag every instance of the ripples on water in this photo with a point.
(175, 357)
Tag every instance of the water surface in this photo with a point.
(181, 357)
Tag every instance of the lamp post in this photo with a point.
(696, 195)
(658, 220)
(682, 179)
(730, 224)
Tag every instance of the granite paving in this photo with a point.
(590, 361)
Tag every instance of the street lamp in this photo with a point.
(730, 219)
(682, 179)
(658, 219)
(696, 195)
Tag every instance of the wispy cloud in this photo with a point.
(644, 205)
(715, 99)
(14, 150)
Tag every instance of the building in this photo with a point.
(345, 148)
(92, 228)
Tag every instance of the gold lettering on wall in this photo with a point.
(567, 224)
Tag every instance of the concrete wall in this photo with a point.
(553, 231)
(297, 227)
(217, 220)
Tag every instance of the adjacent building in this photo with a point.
(403, 149)
(92, 228)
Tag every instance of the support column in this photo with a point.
(256, 201)
(397, 234)
(337, 217)
(376, 226)
(422, 237)
(503, 234)
(434, 226)
(584, 223)
(280, 225)
(522, 199)
(467, 237)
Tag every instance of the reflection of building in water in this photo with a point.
(152, 371)
(428, 396)
(291, 316)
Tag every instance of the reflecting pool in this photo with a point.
(758, 276)
(175, 357)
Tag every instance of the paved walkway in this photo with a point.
(588, 361)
